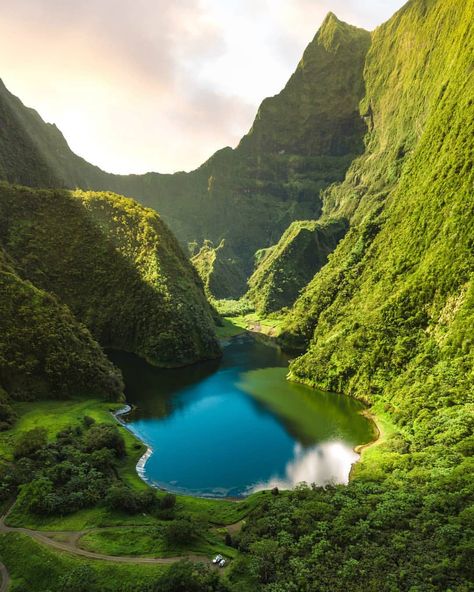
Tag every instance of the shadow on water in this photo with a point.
(233, 426)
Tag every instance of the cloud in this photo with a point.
(327, 463)
(157, 85)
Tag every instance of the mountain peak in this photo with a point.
(329, 18)
(333, 32)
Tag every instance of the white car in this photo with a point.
(217, 559)
(222, 563)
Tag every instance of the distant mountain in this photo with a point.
(302, 140)
(284, 270)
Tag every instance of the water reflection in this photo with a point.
(229, 427)
(323, 464)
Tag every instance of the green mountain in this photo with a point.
(353, 194)
(302, 140)
(391, 315)
(45, 351)
(284, 270)
(83, 269)
(390, 320)
(117, 267)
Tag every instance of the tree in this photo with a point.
(105, 436)
(30, 442)
(181, 531)
(187, 577)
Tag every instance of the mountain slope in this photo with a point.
(391, 315)
(291, 264)
(302, 140)
(219, 270)
(115, 265)
(44, 350)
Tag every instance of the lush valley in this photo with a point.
(247, 196)
(349, 205)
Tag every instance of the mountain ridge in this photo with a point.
(247, 195)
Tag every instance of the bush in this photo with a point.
(167, 502)
(181, 531)
(105, 436)
(30, 442)
(184, 576)
(122, 498)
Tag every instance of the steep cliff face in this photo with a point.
(317, 113)
(291, 264)
(391, 315)
(115, 265)
(302, 140)
(219, 270)
(35, 153)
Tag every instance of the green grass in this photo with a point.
(150, 541)
(377, 458)
(230, 328)
(55, 416)
(36, 568)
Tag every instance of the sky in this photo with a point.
(159, 85)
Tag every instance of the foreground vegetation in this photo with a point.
(71, 467)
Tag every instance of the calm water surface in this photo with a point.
(236, 426)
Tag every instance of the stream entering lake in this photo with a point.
(235, 426)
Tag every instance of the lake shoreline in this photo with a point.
(373, 435)
(361, 448)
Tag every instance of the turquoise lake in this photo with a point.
(235, 426)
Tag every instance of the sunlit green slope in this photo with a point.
(391, 315)
(292, 263)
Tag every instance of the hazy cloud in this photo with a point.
(139, 85)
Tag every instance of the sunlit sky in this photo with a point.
(141, 85)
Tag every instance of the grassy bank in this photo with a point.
(54, 416)
(33, 566)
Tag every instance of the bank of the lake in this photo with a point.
(232, 428)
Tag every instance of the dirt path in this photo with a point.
(5, 578)
(236, 527)
(69, 545)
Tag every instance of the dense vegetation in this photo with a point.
(115, 265)
(369, 537)
(388, 319)
(77, 469)
(284, 270)
(220, 271)
(44, 350)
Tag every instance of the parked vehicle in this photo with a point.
(222, 563)
(217, 559)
